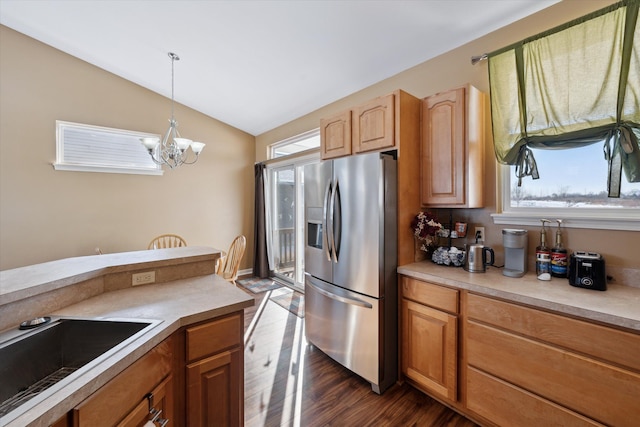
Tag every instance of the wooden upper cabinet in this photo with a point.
(373, 127)
(452, 149)
(368, 127)
(335, 135)
(390, 122)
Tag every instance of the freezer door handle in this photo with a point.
(343, 299)
(327, 236)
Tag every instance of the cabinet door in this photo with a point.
(215, 390)
(443, 149)
(335, 135)
(429, 348)
(373, 127)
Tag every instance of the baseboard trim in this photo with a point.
(245, 272)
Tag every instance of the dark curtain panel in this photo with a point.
(260, 259)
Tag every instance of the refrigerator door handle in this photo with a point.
(343, 299)
(326, 235)
(336, 230)
(330, 223)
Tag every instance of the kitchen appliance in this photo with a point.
(515, 244)
(475, 260)
(350, 264)
(586, 270)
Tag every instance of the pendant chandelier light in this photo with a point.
(174, 150)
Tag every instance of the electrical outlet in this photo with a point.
(143, 278)
(479, 234)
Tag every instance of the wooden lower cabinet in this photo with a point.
(532, 361)
(215, 372)
(195, 377)
(430, 337)
(213, 391)
(516, 365)
(429, 354)
(121, 398)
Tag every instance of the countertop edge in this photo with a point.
(555, 302)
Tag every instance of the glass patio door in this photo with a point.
(285, 220)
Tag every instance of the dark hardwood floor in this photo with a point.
(291, 383)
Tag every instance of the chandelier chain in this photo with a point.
(174, 58)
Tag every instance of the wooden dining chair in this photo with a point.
(228, 265)
(167, 241)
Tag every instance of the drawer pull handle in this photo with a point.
(155, 413)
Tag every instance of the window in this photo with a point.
(296, 144)
(565, 106)
(572, 186)
(87, 148)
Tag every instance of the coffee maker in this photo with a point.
(515, 252)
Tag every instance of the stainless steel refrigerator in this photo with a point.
(350, 263)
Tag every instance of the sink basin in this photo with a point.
(39, 359)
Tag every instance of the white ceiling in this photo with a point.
(257, 64)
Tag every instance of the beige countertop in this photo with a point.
(24, 282)
(619, 305)
(175, 304)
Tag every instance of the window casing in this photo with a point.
(88, 148)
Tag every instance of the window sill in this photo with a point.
(105, 169)
(597, 220)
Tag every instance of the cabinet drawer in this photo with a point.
(161, 401)
(598, 341)
(121, 395)
(505, 404)
(429, 294)
(213, 337)
(603, 392)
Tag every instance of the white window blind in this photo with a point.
(88, 148)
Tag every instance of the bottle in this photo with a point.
(559, 255)
(543, 255)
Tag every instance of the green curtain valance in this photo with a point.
(571, 86)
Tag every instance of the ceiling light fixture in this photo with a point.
(173, 151)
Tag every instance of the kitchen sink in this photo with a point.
(35, 361)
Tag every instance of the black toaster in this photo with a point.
(586, 270)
